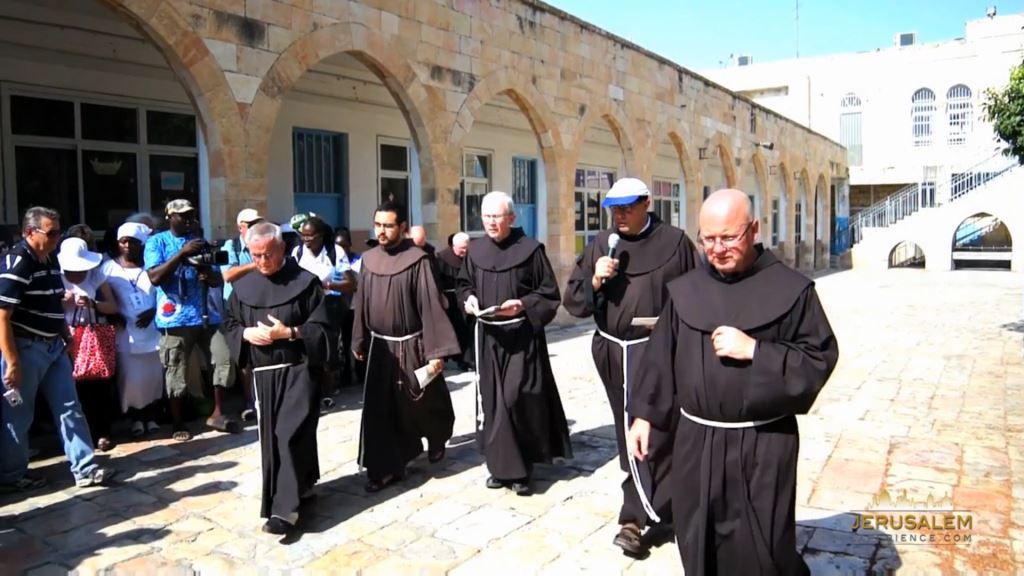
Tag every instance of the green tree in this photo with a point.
(1005, 110)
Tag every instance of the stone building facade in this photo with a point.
(462, 73)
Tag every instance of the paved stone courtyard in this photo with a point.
(927, 400)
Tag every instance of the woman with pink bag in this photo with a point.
(82, 281)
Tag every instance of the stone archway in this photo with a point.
(368, 48)
(982, 240)
(906, 254)
(517, 87)
(208, 89)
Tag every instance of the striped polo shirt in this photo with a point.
(34, 289)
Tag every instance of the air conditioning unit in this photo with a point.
(905, 39)
(744, 60)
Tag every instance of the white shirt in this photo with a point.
(135, 294)
(321, 266)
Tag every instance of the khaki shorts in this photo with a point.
(176, 345)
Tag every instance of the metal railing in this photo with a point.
(912, 198)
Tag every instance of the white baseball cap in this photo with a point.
(625, 191)
(75, 256)
(248, 215)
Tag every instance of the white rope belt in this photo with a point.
(477, 329)
(449, 290)
(393, 338)
(369, 355)
(274, 367)
(729, 425)
(634, 472)
(500, 322)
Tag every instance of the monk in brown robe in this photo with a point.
(739, 350)
(507, 282)
(618, 285)
(400, 326)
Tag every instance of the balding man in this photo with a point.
(449, 262)
(739, 349)
(506, 281)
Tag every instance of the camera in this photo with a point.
(13, 397)
(209, 255)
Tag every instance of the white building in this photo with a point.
(909, 114)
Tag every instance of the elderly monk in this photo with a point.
(449, 262)
(277, 327)
(523, 419)
(616, 289)
(739, 349)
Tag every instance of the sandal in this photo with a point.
(104, 445)
(378, 485)
(181, 435)
(222, 424)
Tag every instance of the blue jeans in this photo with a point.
(46, 370)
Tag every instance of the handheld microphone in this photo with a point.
(613, 243)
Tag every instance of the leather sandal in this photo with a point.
(628, 539)
(378, 485)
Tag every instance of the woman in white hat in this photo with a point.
(140, 377)
(82, 281)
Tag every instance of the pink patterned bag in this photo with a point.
(94, 351)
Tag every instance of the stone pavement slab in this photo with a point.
(926, 408)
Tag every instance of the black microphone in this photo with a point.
(613, 243)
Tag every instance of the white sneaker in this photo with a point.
(97, 477)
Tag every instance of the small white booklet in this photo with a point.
(648, 321)
(488, 311)
(425, 375)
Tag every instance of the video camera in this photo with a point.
(208, 256)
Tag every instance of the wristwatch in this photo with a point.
(291, 334)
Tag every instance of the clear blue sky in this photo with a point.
(699, 34)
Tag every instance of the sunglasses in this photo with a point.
(51, 234)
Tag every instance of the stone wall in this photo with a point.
(442, 61)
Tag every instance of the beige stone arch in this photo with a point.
(725, 156)
(602, 108)
(206, 86)
(760, 168)
(691, 176)
(788, 240)
(373, 50)
(822, 217)
(520, 89)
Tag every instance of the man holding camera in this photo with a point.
(182, 266)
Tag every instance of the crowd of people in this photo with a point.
(705, 356)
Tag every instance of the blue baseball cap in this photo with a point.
(625, 191)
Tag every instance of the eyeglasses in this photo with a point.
(51, 234)
(726, 241)
(494, 217)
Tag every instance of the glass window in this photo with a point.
(110, 186)
(110, 123)
(922, 112)
(775, 221)
(394, 158)
(959, 111)
(172, 177)
(48, 177)
(170, 129)
(42, 117)
(591, 186)
(475, 184)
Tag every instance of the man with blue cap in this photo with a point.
(620, 280)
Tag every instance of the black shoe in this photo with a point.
(277, 526)
(521, 488)
(628, 539)
(493, 483)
